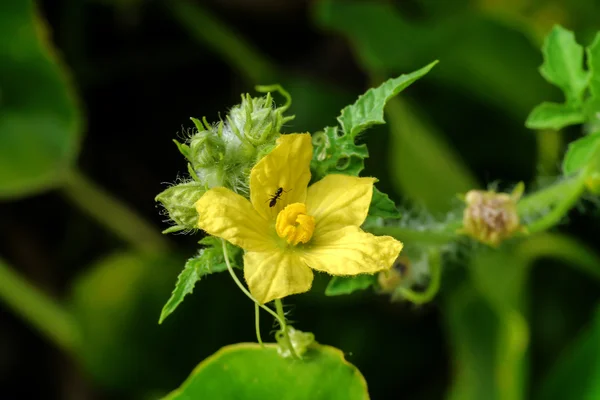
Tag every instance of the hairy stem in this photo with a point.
(283, 327)
(41, 311)
(221, 39)
(112, 213)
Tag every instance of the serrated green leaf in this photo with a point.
(208, 261)
(580, 153)
(554, 116)
(40, 123)
(593, 62)
(368, 109)
(383, 206)
(339, 285)
(249, 371)
(563, 63)
(576, 374)
(333, 153)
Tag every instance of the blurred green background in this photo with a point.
(74, 152)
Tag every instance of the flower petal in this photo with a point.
(351, 251)
(337, 201)
(276, 274)
(230, 216)
(287, 167)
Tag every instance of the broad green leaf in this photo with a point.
(247, 371)
(335, 153)
(383, 206)
(368, 109)
(40, 124)
(339, 285)
(478, 55)
(554, 116)
(580, 153)
(208, 261)
(563, 63)
(593, 62)
(576, 374)
(422, 165)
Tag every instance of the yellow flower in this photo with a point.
(287, 228)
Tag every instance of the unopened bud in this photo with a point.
(206, 148)
(492, 217)
(390, 279)
(179, 202)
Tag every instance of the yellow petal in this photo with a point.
(276, 274)
(337, 201)
(230, 216)
(350, 251)
(287, 167)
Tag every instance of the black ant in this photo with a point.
(273, 200)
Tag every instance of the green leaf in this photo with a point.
(248, 371)
(40, 124)
(383, 206)
(554, 116)
(339, 285)
(563, 63)
(334, 153)
(580, 153)
(368, 109)
(208, 261)
(576, 374)
(593, 62)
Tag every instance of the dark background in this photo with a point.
(140, 76)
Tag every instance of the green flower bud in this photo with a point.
(179, 202)
(256, 120)
(299, 340)
(206, 147)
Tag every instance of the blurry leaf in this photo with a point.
(576, 374)
(580, 153)
(368, 109)
(250, 372)
(335, 153)
(40, 124)
(473, 333)
(383, 206)
(339, 285)
(423, 166)
(554, 116)
(209, 260)
(116, 302)
(477, 55)
(593, 62)
(563, 63)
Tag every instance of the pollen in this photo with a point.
(294, 225)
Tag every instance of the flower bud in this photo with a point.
(205, 148)
(392, 278)
(492, 217)
(179, 203)
(256, 120)
(299, 340)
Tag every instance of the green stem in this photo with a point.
(113, 214)
(41, 311)
(446, 235)
(257, 324)
(434, 284)
(563, 201)
(244, 290)
(283, 326)
(220, 38)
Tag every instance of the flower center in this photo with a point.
(294, 225)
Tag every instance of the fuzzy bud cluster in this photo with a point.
(223, 154)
